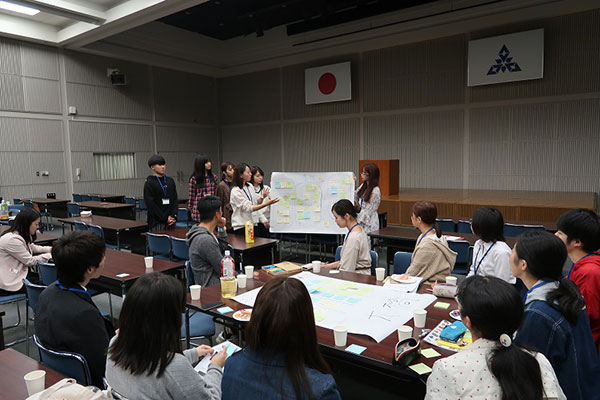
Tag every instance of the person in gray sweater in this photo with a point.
(206, 248)
(145, 360)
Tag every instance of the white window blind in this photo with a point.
(114, 165)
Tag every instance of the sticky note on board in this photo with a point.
(346, 181)
(430, 353)
(442, 305)
(286, 198)
(333, 183)
(310, 188)
(285, 213)
(342, 192)
(285, 205)
(317, 196)
(420, 368)
(326, 223)
(334, 190)
(317, 218)
(300, 215)
(277, 185)
(356, 349)
(293, 196)
(317, 209)
(300, 201)
(306, 215)
(289, 185)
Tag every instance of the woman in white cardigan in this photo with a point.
(18, 253)
(244, 200)
(368, 197)
(492, 367)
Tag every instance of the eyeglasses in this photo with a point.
(364, 173)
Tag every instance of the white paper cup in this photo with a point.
(195, 291)
(35, 381)
(380, 273)
(316, 266)
(419, 317)
(149, 261)
(451, 280)
(404, 332)
(249, 271)
(241, 280)
(340, 335)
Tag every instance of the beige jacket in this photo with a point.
(16, 258)
(432, 259)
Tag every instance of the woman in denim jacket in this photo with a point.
(555, 323)
(282, 359)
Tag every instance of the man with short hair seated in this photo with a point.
(206, 248)
(66, 318)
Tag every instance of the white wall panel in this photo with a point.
(11, 93)
(42, 95)
(39, 61)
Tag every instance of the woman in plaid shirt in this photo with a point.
(202, 183)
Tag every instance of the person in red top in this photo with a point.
(202, 183)
(579, 229)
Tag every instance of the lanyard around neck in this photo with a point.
(476, 264)
(573, 266)
(163, 187)
(349, 232)
(248, 195)
(73, 289)
(425, 234)
(533, 288)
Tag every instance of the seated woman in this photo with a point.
(282, 358)
(556, 323)
(492, 367)
(18, 253)
(432, 259)
(145, 360)
(355, 255)
(490, 253)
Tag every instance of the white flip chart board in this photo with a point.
(305, 201)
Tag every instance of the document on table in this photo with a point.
(404, 287)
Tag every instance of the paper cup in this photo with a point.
(404, 332)
(451, 280)
(35, 381)
(249, 271)
(241, 280)
(149, 261)
(380, 273)
(316, 266)
(419, 317)
(195, 291)
(340, 335)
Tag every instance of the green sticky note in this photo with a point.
(299, 201)
(293, 196)
(300, 215)
(442, 305)
(317, 196)
(430, 353)
(420, 368)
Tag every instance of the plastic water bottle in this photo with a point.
(228, 283)
(4, 210)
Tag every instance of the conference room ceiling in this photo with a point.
(227, 19)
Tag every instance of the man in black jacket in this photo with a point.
(160, 195)
(66, 318)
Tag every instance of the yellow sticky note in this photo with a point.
(293, 196)
(317, 196)
(316, 218)
(289, 185)
(420, 368)
(442, 305)
(300, 201)
(334, 183)
(326, 223)
(347, 181)
(317, 209)
(430, 353)
(285, 213)
(300, 209)
(306, 196)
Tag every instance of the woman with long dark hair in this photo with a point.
(493, 367)
(145, 360)
(432, 259)
(491, 254)
(224, 190)
(368, 197)
(202, 183)
(556, 323)
(257, 179)
(18, 253)
(244, 200)
(355, 255)
(282, 358)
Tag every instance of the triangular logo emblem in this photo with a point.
(504, 63)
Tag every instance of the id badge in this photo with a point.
(165, 202)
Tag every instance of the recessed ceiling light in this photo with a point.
(18, 8)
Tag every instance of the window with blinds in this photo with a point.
(114, 165)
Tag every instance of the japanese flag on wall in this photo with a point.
(328, 83)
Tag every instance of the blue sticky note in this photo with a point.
(225, 310)
(334, 190)
(353, 300)
(327, 294)
(306, 215)
(341, 298)
(277, 185)
(356, 349)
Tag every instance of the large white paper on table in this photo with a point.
(364, 309)
(305, 201)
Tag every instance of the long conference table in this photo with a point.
(370, 373)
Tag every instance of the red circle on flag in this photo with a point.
(327, 83)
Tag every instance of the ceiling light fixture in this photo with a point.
(5, 5)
